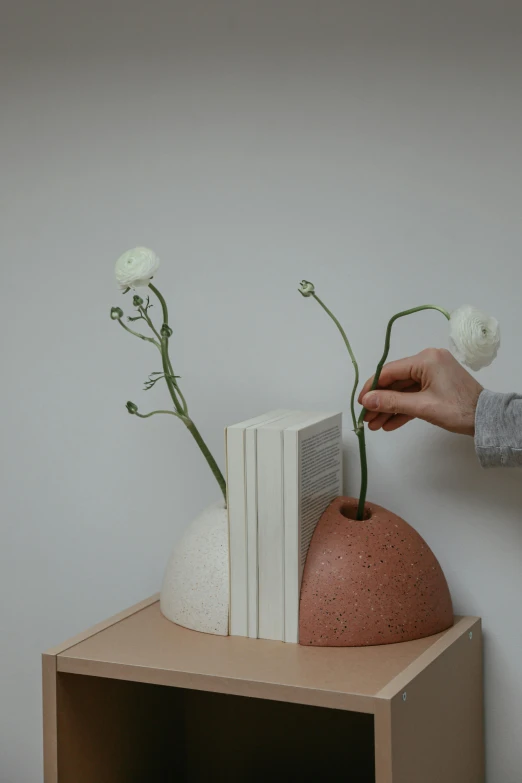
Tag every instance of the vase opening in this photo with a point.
(350, 512)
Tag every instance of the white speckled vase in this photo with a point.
(195, 591)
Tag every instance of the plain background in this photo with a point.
(372, 147)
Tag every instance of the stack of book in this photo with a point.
(283, 470)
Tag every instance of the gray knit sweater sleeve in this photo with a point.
(498, 430)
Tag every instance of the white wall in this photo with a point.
(371, 147)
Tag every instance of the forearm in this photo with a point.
(498, 430)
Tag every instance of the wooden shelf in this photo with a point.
(405, 713)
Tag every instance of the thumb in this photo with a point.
(394, 402)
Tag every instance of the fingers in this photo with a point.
(365, 389)
(400, 370)
(407, 386)
(378, 420)
(396, 421)
(395, 402)
(388, 421)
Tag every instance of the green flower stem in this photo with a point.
(364, 472)
(137, 334)
(208, 456)
(173, 385)
(392, 320)
(352, 357)
(375, 383)
(154, 413)
(182, 407)
(162, 303)
(170, 380)
(169, 375)
(357, 426)
(199, 440)
(307, 289)
(146, 317)
(183, 400)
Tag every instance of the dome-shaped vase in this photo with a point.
(370, 582)
(195, 591)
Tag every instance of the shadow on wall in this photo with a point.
(481, 515)
(503, 677)
(454, 470)
(454, 475)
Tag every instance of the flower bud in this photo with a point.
(116, 313)
(131, 407)
(166, 331)
(307, 288)
(137, 301)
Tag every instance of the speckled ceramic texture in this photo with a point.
(370, 582)
(195, 591)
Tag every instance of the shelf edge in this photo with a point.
(102, 626)
(462, 626)
(353, 702)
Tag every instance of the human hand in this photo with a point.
(431, 386)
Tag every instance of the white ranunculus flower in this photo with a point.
(136, 267)
(474, 337)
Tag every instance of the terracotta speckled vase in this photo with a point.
(370, 582)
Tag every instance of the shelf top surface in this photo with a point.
(142, 645)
